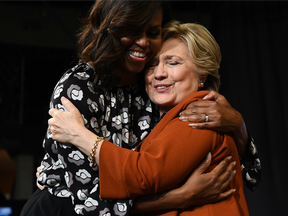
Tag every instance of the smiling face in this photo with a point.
(171, 76)
(143, 47)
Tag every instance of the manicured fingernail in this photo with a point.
(181, 117)
(193, 125)
(229, 157)
(234, 163)
(208, 156)
(205, 97)
(180, 114)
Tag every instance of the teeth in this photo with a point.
(137, 54)
(161, 87)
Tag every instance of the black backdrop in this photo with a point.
(253, 39)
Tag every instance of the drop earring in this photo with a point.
(201, 85)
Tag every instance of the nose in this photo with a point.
(142, 40)
(160, 72)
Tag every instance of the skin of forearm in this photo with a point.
(241, 137)
(174, 199)
(85, 140)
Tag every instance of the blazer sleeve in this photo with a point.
(162, 163)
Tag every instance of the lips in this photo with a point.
(162, 87)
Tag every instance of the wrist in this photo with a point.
(240, 135)
(183, 200)
(238, 126)
(84, 140)
(94, 154)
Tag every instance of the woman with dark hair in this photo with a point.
(118, 39)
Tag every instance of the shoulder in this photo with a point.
(79, 76)
(80, 72)
(76, 84)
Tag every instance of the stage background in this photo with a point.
(37, 43)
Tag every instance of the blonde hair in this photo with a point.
(203, 49)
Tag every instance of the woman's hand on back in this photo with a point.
(205, 188)
(200, 188)
(217, 114)
(37, 176)
(221, 116)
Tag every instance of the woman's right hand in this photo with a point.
(200, 188)
(204, 188)
(37, 175)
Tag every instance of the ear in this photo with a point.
(202, 81)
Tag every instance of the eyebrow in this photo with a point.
(156, 26)
(172, 55)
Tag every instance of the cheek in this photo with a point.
(148, 82)
(188, 82)
(192, 85)
(156, 44)
(125, 40)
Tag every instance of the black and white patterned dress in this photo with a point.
(122, 115)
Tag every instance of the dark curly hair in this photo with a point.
(108, 21)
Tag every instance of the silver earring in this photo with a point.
(201, 85)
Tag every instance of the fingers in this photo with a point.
(52, 126)
(199, 125)
(40, 186)
(204, 165)
(224, 174)
(197, 110)
(193, 118)
(37, 175)
(69, 106)
(225, 195)
(38, 171)
(212, 95)
(52, 112)
(200, 104)
(221, 167)
(227, 176)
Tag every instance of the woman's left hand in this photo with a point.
(37, 176)
(65, 126)
(69, 127)
(217, 114)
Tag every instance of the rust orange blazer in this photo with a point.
(166, 158)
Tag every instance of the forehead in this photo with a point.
(174, 46)
(157, 19)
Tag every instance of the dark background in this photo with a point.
(37, 44)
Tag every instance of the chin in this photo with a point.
(136, 70)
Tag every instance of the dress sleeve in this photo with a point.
(74, 86)
(163, 162)
(251, 166)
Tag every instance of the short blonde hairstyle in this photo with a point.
(203, 49)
